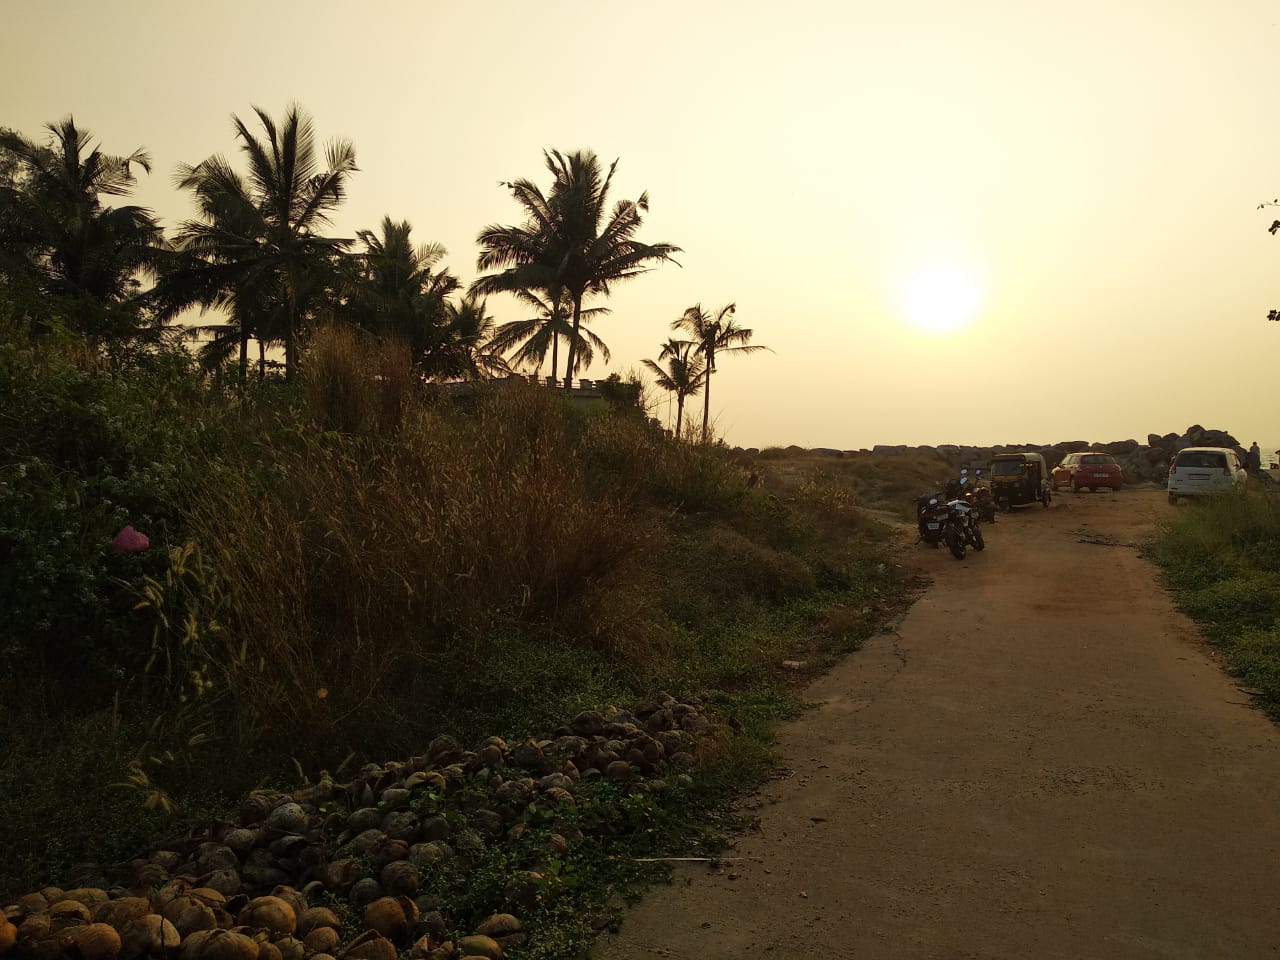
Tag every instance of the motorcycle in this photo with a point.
(954, 521)
(971, 491)
(932, 517)
(982, 499)
(968, 527)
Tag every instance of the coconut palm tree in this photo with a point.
(463, 348)
(544, 331)
(714, 335)
(396, 289)
(55, 224)
(684, 375)
(569, 239)
(257, 239)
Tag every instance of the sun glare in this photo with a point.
(940, 298)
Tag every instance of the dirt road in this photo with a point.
(1043, 762)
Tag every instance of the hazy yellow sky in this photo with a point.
(1095, 168)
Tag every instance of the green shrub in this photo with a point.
(1220, 560)
(1255, 658)
(1247, 599)
(87, 446)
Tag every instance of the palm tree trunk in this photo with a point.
(573, 342)
(244, 354)
(262, 360)
(706, 402)
(290, 344)
(555, 355)
(679, 414)
(290, 361)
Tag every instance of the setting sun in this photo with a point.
(940, 298)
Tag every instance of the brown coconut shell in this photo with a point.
(172, 907)
(89, 896)
(8, 936)
(478, 945)
(499, 925)
(322, 940)
(314, 917)
(120, 913)
(148, 938)
(370, 945)
(69, 912)
(392, 917)
(95, 941)
(178, 887)
(32, 903)
(195, 917)
(268, 950)
(269, 913)
(292, 897)
(51, 947)
(35, 927)
(291, 948)
(428, 949)
(219, 944)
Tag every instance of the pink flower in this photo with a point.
(129, 540)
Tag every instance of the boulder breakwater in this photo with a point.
(1142, 462)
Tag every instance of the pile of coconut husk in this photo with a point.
(263, 888)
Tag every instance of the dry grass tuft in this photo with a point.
(355, 383)
(366, 567)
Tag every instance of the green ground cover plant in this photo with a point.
(1221, 560)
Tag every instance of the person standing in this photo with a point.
(1253, 462)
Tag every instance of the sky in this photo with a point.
(1071, 190)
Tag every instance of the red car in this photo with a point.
(1092, 470)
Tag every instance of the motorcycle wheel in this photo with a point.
(955, 542)
(978, 542)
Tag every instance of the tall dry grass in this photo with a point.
(362, 571)
(357, 383)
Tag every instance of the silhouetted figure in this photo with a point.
(1253, 462)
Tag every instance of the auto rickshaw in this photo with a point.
(1020, 478)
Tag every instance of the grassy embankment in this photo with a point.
(886, 483)
(1221, 560)
(341, 571)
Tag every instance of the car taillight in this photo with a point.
(1227, 471)
(1172, 467)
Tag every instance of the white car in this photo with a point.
(1196, 471)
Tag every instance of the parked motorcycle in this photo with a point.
(932, 517)
(971, 491)
(954, 521)
(982, 500)
(968, 526)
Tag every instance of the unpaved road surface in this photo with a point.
(1043, 761)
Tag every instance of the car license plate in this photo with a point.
(1199, 476)
(1102, 476)
(935, 526)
